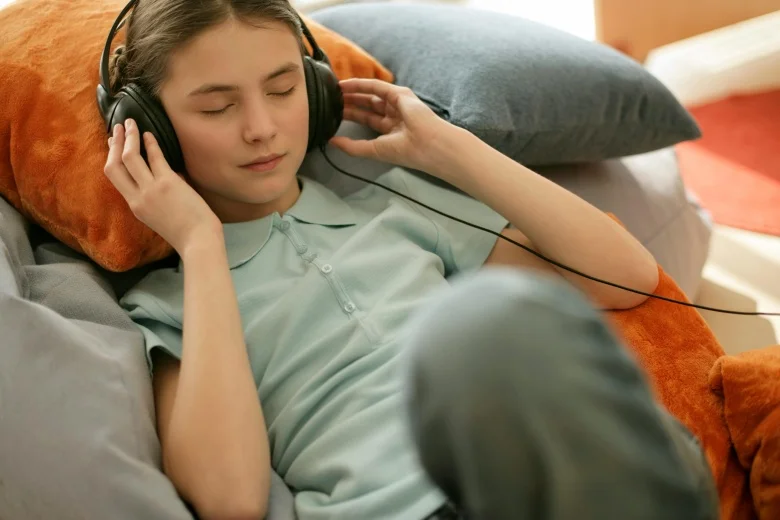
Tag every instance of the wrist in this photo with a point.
(450, 153)
(205, 239)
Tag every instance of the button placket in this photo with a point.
(299, 245)
(347, 305)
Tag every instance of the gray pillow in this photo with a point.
(77, 438)
(77, 434)
(537, 94)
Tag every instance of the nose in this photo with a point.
(259, 123)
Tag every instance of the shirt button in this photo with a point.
(350, 307)
(284, 225)
(326, 268)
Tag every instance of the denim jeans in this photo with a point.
(525, 406)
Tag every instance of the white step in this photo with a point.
(737, 59)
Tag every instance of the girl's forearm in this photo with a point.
(217, 429)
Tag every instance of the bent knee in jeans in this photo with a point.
(514, 379)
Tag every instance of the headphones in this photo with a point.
(326, 101)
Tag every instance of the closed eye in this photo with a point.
(284, 94)
(216, 112)
(222, 110)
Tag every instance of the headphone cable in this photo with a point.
(536, 253)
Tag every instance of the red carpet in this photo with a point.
(734, 168)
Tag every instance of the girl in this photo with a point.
(320, 335)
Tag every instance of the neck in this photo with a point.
(233, 211)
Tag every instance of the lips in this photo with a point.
(262, 160)
(265, 163)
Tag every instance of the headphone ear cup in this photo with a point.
(132, 102)
(326, 102)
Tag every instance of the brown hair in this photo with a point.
(156, 28)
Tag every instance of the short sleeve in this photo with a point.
(159, 327)
(460, 246)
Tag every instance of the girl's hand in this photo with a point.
(409, 128)
(157, 196)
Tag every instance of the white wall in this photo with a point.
(574, 16)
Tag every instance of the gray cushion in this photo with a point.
(537, 94)
(15, 250)
(78, 436)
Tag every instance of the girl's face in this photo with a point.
(236, 95)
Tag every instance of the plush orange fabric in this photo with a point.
(677, 349)
(52, 138)
(346, 58)
(749, 386)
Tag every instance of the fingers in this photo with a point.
(386, 91)
(131, 155)
(355, 147)
(154, 153)
(382, 124)
(370, 102)
(115, 169)
(377, 87)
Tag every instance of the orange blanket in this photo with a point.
(677, 349)
(749, 388)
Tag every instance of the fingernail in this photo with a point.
(129, 124)
(117, 127)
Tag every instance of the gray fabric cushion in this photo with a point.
(15, 251)
(533, 92)
(78, 436)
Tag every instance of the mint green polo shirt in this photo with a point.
(324, 292)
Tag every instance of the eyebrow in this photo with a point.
(210, 88)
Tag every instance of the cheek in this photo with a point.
(201, 141)
(200, 145)
(297, 122)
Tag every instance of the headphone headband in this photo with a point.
(120, 21)
(107, 49)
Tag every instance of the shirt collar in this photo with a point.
(315, 205)
(319, 205)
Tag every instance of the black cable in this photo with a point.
(553, 262)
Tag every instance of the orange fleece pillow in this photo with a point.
(749, 386)
(52, 138)
(677, 349)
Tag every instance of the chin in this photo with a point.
(266, 187)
